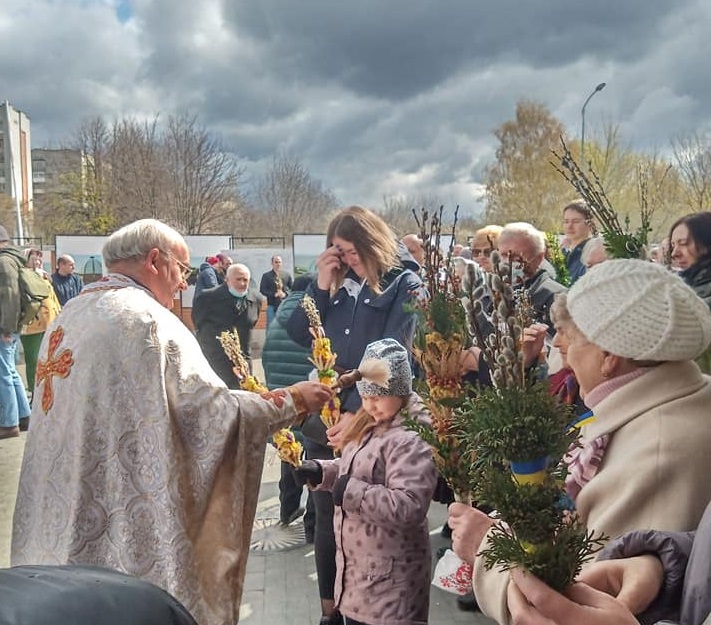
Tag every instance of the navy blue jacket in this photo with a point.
(574, 262)
(207, 279)
(67, 287)
(354, 318)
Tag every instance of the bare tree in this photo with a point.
(204, 177)
(633, 180)
(399, 211)
(132, 170)
(77, 198)
(137, 174)
(693, 158)
(93, 141)
(294, 201)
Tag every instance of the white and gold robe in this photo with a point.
(138, 457)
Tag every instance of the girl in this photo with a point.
(382, 486)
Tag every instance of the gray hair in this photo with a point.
(559, 313)
(525, 230)
(593, 244)
(235, 266)
(135, 240)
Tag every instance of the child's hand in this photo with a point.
(334, 434)
(308, 471)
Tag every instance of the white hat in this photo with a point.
(399, 382)
(640, 310)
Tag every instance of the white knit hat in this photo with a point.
(640, 310)
(399, 382)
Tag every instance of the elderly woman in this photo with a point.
(485, 241)
(690, 241)
(594, 252)
(631, 334)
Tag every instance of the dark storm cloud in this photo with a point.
(399, 48)
(376, 98)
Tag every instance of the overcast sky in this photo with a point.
(376, 97)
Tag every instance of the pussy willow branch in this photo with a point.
(591, 191)
(431, 235)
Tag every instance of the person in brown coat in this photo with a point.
(382, 486)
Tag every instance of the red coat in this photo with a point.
(383, 545)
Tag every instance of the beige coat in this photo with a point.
(654, 474)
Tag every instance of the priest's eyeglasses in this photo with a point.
(185, 270)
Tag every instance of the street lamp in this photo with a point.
(600, 87)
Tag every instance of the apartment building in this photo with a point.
(50, 168)
(16, 167)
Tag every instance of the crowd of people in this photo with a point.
(155, 472)
(63, 285)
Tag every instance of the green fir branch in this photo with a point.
(557, 563)
(515, 424)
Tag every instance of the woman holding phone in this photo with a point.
(364, 281)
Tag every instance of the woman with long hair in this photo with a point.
(690, 241)
(363, 285)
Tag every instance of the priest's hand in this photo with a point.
(313, 394)
(469, 526)
(309, 471)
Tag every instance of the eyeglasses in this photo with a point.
(516, 258)
(482, 251)
(185, 270)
